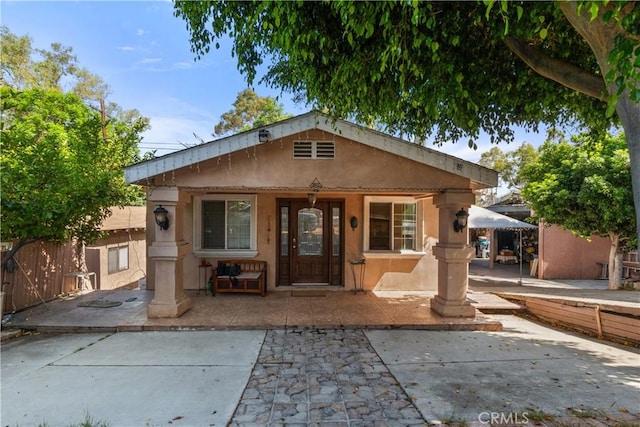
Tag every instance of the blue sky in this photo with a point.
(142, 52)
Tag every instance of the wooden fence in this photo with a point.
(39, 275)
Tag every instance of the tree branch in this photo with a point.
(559, 71)
(14, 250)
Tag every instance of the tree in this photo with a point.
(494, 159)
(585, 187)
(62, 154)
(59, 176)
(23, 67)
(444, 69)
(510, 164)
(250, 111)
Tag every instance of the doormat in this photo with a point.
(100, 304)
(308, 293)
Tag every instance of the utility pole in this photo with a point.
(104, 119)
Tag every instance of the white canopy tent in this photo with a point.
(485, 218)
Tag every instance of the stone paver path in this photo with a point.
(322, 377)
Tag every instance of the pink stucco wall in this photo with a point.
(565, 256)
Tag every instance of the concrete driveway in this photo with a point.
(211, 378)
(526, 371)
(126, 379)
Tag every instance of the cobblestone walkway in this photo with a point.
(327, 377)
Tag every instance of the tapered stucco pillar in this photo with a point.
(167, 253)
(454, 255)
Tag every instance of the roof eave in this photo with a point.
(481, 176)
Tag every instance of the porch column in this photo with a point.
(167, 252)
(454, 255)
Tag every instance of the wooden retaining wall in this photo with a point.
(590, 318)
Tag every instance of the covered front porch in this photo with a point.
(307, 201)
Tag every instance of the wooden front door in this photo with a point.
(310, 242)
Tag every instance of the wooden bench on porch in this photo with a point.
(252, 277)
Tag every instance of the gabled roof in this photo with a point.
(140, 172)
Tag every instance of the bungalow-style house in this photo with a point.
(314, 198)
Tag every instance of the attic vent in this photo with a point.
(314, 150)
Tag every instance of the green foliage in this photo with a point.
(60, 174)
(510, 164)
(624, 58)
(15, 59)
(250, 111)
(429, 69)
(623, 61)
(584, 186)
(23, 67)
(59, 177)
(56, 69)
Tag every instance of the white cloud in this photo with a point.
(175, 66)
(140, 32)
(150, 60)
(183, 65)
(126, 48)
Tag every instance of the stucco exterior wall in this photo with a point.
(383, 271)
(271, 166)
(408, 272)
(565, 256)
(98, 259)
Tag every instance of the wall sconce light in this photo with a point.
(461, 220)
(264, 135)
(313, 197)
(162, 219)
(354, 223)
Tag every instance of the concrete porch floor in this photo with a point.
(277, 310)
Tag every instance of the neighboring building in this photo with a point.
(558, 253)
(120, 259)
(309, 195)
(513, 206)
(43, 271)
(562, 255)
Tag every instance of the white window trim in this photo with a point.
(199, 251)
(404, 253)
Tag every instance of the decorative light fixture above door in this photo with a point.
(315, 186)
